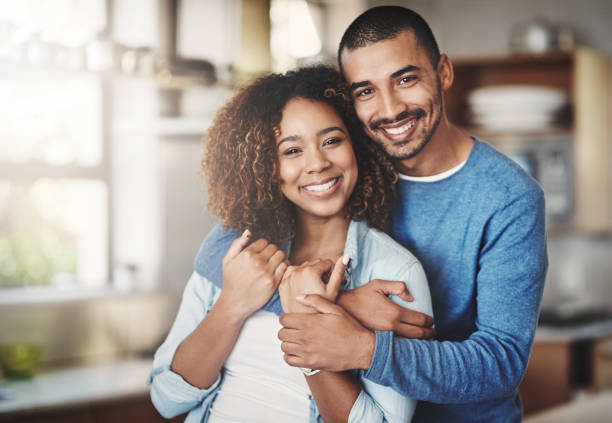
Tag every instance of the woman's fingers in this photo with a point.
(237, 246)
(336, 277)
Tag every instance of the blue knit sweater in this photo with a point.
(480, 235)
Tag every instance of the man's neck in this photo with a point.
(447, 148)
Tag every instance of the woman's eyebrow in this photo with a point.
(329, 129)
(286, 139)
(319, 133)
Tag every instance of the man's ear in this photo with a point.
(445, 72)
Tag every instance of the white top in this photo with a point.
(258, 385)
(433, 178)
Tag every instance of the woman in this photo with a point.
(287, 161)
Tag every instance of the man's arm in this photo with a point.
(491, 362)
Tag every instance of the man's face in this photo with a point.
(396, 92)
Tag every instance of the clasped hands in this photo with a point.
(322, 329)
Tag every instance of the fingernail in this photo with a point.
(300, 297)
(345, 259)
(246, 233)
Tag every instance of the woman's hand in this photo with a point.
(310, 278)
(250, 275)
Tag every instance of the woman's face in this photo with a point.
(317, 164)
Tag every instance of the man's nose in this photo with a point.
(316, 161)
(390, 106)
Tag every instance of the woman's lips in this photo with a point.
(323, 188)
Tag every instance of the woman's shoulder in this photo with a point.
(375, 246)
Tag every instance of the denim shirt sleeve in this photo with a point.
(170, 393)
(378, 403)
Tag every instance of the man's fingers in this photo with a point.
(237, 245)
(414, 332)
(293, 320)
(320, 304)
(415, 318)
(294, 360)
(395, 288)
(337, 276)
(291, 348)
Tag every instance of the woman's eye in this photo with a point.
(332, 141)
(291, 151)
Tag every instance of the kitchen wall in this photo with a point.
(468, 28)
(166, 225)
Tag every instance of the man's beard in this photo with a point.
(418, 114)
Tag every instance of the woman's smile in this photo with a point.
(320, 189)
(316, 163)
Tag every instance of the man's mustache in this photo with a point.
(406, 114)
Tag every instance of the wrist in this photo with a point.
(368, 341)
(233, 312)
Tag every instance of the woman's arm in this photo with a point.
(250, 278)
(339, 396)
(306, 343)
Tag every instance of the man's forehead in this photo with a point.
(382, 58)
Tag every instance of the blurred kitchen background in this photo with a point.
(103, 104)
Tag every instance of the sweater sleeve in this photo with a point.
(490, 363)
(170, 393)
(377, 403)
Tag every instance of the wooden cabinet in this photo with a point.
(585, 76)
(558, 369)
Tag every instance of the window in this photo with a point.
(54, 170)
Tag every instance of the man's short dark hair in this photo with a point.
(384, 23)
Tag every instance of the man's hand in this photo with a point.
(311, 278)
(329, 340)
(370, 305)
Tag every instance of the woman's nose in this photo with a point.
(316, 161)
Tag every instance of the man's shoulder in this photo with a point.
(211, 253)
(498, 176)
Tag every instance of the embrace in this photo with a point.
(355, 215)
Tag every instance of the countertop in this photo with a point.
(592, 408)
(76, 386)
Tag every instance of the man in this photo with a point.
(473, 218)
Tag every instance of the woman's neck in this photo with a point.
(318, 238)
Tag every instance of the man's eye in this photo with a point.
(364, 92)
(407, 79)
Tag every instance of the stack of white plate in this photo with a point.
(516, 107)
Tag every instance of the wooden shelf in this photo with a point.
(585, 76)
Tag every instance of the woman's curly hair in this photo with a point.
(240, 163)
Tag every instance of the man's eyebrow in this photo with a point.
(405, 69)
(360, 84)
(330, 129)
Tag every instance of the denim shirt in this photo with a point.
(373, 255)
